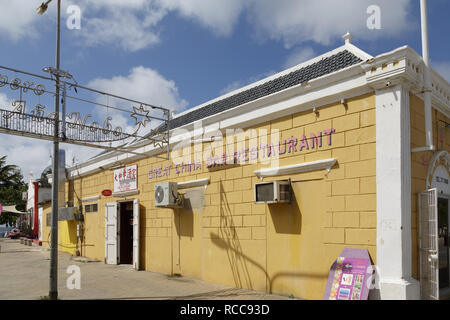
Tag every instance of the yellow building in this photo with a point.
(345, 131)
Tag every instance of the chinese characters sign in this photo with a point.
(348, 277)
(125, 179)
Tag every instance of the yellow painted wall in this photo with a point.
(47, 208)
(420, 162)
(286, 249)
(67, 232)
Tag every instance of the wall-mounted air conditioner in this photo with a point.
(273, 192)
(166, 195)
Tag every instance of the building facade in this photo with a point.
(343, 129)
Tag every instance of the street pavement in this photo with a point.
(24, 275)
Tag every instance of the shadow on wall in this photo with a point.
(184, 219)
(228, 239)
(286, 217)
(237, 256)
(72, 231)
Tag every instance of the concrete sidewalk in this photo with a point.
(24, 274)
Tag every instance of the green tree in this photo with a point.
(43, 180)
(11, 188)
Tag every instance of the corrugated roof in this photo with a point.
(323, 67)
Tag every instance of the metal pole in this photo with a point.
(53, 294)
(63, 117)
(427, 75)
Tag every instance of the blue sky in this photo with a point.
(181, 53)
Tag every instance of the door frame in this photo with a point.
(428, 244)
(445, 196)
(136, 235)
(114, 241)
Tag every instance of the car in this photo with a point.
(15, 234)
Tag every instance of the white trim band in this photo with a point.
(297, 168)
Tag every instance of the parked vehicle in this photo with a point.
(4, 231)
(16, 234)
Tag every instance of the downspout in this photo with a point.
(427, 79)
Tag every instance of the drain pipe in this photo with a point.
(427, 78)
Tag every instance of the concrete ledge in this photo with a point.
(403, 289)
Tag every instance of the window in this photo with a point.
(91, 208)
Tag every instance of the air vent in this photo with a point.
(273, 192)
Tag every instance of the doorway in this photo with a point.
(122, 233)
(125, 230)
(443, 243)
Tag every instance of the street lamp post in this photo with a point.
(53, 292)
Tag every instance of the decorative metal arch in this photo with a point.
(74, 127)
(438, 159)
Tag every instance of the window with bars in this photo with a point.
(91, 208)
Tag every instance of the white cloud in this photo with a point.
(443, 68)
(16, 19)
(134, 24)
(122, 29)
(143, 84)
(33, 155)
(218, 15)
(323, 21)
(30, 155)
(5, 102)
(131, 25)
(299, 56)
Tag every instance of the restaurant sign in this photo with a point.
(125, 179)
(264, 151)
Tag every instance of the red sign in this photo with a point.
(107, 193)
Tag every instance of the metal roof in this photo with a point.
(323, 67)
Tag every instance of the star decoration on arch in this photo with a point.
(140, 116)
